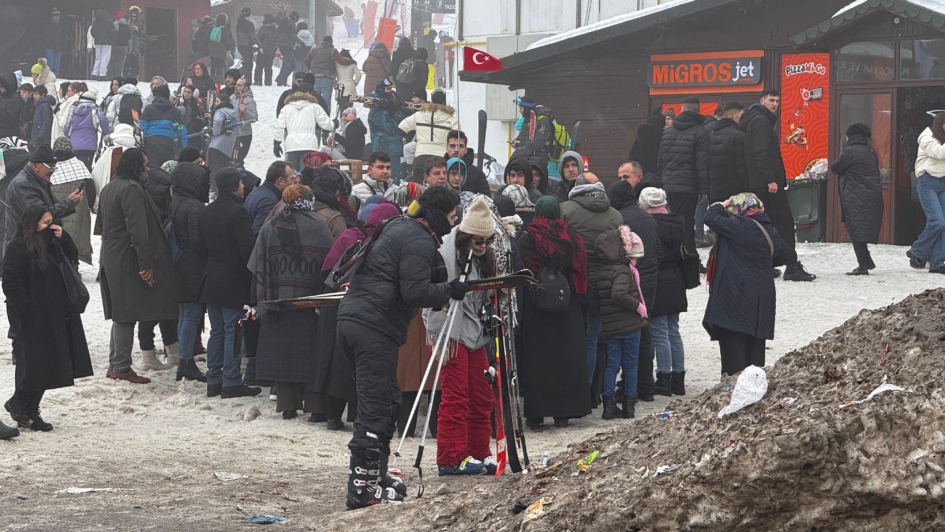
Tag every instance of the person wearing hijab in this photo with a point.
(861, 194)
(741, 307)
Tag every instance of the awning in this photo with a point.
(332, 9)
(930, 12)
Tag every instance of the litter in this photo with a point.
(787, 401)
(262, 519)
(535, 509)
(663, 469)
(80, 491)
(666, 415)
(881, 389)
(585, 463)
(228, 477)
(749, 389)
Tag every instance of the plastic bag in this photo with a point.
(749, 389)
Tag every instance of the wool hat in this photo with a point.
(519, 196)
(548, 207)
(228, 179)
(632, 244)
(652, 198)
(527, 102)
(43, 155)
(188, 155)
(438, 96)
(233, 73)
(420, 93)
(36, 69)
(349, 111)
(477, 220)
(314, 159)
(504, 205)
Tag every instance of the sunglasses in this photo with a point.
(483, 241)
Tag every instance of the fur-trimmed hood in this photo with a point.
(429, 107)
(300, 97)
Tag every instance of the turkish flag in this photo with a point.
(478, 60)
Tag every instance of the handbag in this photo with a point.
(689, 264)
(76, 292)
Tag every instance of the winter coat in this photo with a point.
(624, 199)
(103, 29)
(861, 189)
(226, 239)
(590, 215)
(332, 218)
(120, 108)
(475, 181)
(728, 173)
(351, 139)
(385, 298)
(200, 43)
(42, 122)
(385, 135)
(219, 49)
(931, 155)
(376, 67)
(163, 131)
(52, 349)
(369, 187)
(348, 76)
(617, 289)
(296, 126)
(538, 147)
(762, 148)
(193, 119)
(133, 239)
(25, 190)
(646, 147)
(245, 32)
(10, 106)
(432, 124)
(61, 115)
(122, 33)
(684, 155)
(404, 52)
(742, 293)
(287, 34)
(84, 124)
(191, 191)
(260, 203)
(268, 38)
(323, 61)
(671, 286)
(248, 116)
(224, 134)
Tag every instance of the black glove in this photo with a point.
(336, 123)
(277, 148)
(458, 289)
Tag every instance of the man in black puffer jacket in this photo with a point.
(727, 155)
(10, 106)
(401, 272)
(684, 165)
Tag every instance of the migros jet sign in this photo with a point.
(715, 69)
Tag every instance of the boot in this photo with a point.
(796, 272)
(8, 433)
(187, 369)
(392, 478)
(662, 384)
(679, 383)
(173, 354)
(18, 411)
(364, 483)
(150, 361)
(629, 406)
(611, 410)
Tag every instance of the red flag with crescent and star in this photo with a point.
(478, 60)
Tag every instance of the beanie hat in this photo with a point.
(188, 155)
(519, 196)
(228, 180)
(504, 205)
(233, 73)
(859, 129)
(477, 220)
(314, 159)
(632, 244)
(548, 207)
(420, 93)
(652, 198)
(36, 69)
(169, 166)
(438, 96)
(62, 144)
(527, 102)
(43, 155)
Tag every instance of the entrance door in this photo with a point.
(874, 109)
(913, 104)
(160, 53)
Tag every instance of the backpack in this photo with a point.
(560, 143)
(344, 270)
(553, 293)
(216, 34)
(176, 251)
(405, 73)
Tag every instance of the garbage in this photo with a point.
(663, 469)
(749, 389)
(80, 491)
(228, 477)
(520, 506)
(262, 519)
(544, 458)
(881, 389)
(787, 401)
(666, 415)
(585, 463)
(535, 509)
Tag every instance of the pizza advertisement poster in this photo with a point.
(805, 112)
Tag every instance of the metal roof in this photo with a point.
(931, 12)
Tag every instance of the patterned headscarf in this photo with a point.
(169, 166)
(744, 204)
(298, 198)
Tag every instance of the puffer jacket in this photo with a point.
(223, 137)
(861, 189)
(163, 119)
(376, 67)
(617, 289)
(10, 106)
(762, 148)
(191, 193)
(433, 123)
(590, 214)
(931, 157)
(61, 115)
(268, 38)
(82, 128)
(671, 286)
(42, 122)
(684, 155)
(103, 29)
(296, 126)
(249, 116)
(385, 298)
(728, 174)
(323, 61)
(369, 187)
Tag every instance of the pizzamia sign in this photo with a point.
(715, 69)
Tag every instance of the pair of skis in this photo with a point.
(508, 414)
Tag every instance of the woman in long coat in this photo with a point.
(48, 340)
(861, 194)
(287, 263)
(741, 307)
(552, 365)
(377, 66)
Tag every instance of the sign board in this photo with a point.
(706, 72)
(805, 106)
(436, 6)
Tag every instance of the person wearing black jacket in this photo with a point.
(684, 165)
(766, 177)
(191, 193)
(245, 39)
(351, 135)
(646, 147)
(861, 194)
(11, 106)
(268, 38)
(729, 174)
(475, 181)
(103, 31)
(401, 272)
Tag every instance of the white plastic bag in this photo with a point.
(749, 389)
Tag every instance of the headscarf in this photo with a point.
(744, 204)
(169, 166)
(298, 198)
(553, 243)
(548, 207)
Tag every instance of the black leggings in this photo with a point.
(863, 258)
(739, 350)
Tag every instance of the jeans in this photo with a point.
(701, 207)
(188, 326)
(930, 245)
(288, 66)
(668, 344)
(324, 86)
(593, 335)
(223, 366)
(622, 353)
(53, 59)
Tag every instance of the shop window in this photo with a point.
(865, 61)
(922, 59)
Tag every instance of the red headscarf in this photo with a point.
(551, 238)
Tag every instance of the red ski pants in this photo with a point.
(464, 428)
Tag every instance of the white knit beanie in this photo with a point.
(652, 198)
(477, 220)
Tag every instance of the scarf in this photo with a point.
(552, 241)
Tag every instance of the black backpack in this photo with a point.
(553, 293)
(405, 73)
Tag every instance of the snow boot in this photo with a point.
(679, 383)
(18, 411)
(8, 433)
(629, 406)
(611, 410)
(187, 369)
(663, 386)
(796, 272)
(172, 352)
(150, 361)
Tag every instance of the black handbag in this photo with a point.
(76, 292)
(689, 264)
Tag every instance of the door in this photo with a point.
(874, 109)
(160, 49)
(913, 104)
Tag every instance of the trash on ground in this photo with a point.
(228, 477)
(585, 463)
(749, 389)
(263, 519)
(881, 389)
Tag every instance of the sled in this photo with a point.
(297, 303)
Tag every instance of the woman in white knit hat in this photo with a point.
(463, 427)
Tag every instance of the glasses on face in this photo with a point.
(50, 167)
(483, 241)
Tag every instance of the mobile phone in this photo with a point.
(81, 185)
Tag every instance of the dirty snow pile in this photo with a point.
(813, 453)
